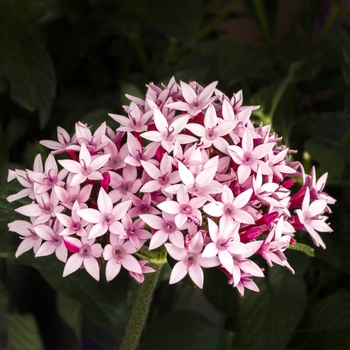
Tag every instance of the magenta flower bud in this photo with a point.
(106, 180)
(288, 183)
(251, 234)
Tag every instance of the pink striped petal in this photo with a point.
(197, 276)
(178, 272)
(112, 269)
(73, 263)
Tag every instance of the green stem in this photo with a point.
(263, 20)
(140, 312)
(330, 21)
(224, 13)
(142, 55)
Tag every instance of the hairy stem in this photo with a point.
(140, 312)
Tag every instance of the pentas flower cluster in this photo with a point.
(187, 170)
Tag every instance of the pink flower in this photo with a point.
(212, 131)
(190, 261)
(194, 103)
(28, 235)
(184, 208)
(73, 194)
(269, 193)
(160, 184)
(275, 244)
(87, 166)
(137, 121)
(310, 215)
(137, 152)
(166, 229)
(167, 134)
(202, 184)
(116, 156)
(106, 217)
(317, 186)
(48, 179)
(93, 142)
(134, 231)
(139, 277)
(53, 243)
(119, 253)
(86, 252)
(73, 224)
(124, 185)
(24, 179)
(230, 208)
(142, 205)
(249, 157)
(65, 142)
(45, 207)
(163, 176)
(225, 242)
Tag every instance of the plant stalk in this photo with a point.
(140, 312)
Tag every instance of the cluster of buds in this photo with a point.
(186, 169)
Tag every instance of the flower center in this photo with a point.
(131, 231)
(211, 134)
(115, 161)
(163, 180)
(222, 244)
(108, 218)
(190, 260)
(126, 187)
(47, 208)
(169, 226)
(76, 226)
(72, 198)
(86, 170)
(185, 209)
(144, 208)
(307, 217)
(168, 134)
(51, 178)
(229, 209)
(196, 189)
(248, 158)
(85, 250)
(140, 153)
(118, 252)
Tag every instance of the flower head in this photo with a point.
(187, 172)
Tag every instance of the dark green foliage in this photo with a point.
(65, 61)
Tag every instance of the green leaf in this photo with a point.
(346, 47)
(235, 61)
(303, 248)
(283, 102)
(330, 323)
(346, 139)
(108, 305)
(3, 156)
(130, 89)
(70, 312)
(28, 67)
(221, 294)
(184, 330)
(180, 19)
(3, 81)
(23, 332)
(324, 153)
(267, 319)
(283, 110)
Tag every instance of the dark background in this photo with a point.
(65, 61)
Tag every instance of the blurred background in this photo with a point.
(63, 61)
